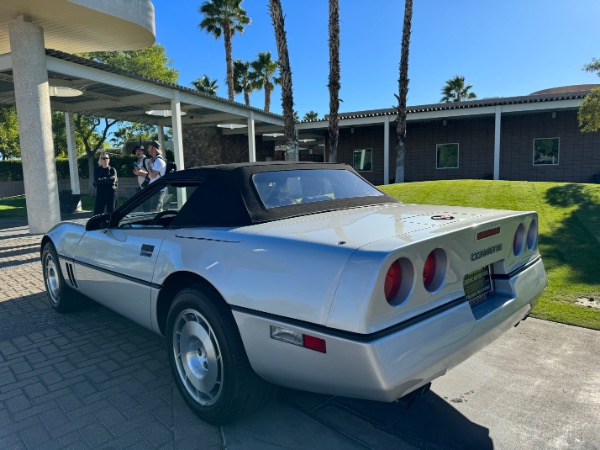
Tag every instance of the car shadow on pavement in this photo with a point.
(426, 421)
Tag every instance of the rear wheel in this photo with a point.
(61, 297)
(208, 360)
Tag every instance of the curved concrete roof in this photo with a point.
(77, 26)
(563, 89)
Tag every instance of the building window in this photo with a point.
(545, 151)
(446, 156)
(363, 160)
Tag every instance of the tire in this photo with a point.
(61, 297)
(208, 360)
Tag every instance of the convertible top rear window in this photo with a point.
(295, 187)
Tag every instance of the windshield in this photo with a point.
(292, 187)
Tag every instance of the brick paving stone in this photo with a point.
(18, 403)
(96, 434)
(53, 417)
(35, 390)
(12, 441)
(35, 438)
(90, 379)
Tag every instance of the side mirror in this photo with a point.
(99, 222)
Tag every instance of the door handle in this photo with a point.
(147, 250)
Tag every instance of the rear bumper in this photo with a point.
(388, 367)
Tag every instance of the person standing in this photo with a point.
(105, 180)
(157, 168)
(139, 168)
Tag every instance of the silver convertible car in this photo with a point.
(301, 275)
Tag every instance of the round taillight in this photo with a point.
(532, 235)
(429, 271)
(393, 278)
(519, 240)
(434, 270)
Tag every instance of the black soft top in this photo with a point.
(229, 193)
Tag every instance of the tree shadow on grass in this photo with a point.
(576, 242)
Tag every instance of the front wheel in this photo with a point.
(59, 294)
(208, 361)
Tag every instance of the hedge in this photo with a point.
(13, 170)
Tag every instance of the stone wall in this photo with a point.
(207, 145)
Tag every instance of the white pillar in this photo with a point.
(177, 132)
(72, 150)
(386, 150)
(497, 143)
(161, 136)
(30, 77)
(251, 139)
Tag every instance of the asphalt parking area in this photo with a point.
(95, 380)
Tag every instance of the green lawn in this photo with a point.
(569, 226)
(15, 206)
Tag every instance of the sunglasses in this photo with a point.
(105, 157)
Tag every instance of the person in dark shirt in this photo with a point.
(105, 180)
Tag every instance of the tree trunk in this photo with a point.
(287, 98)
(228, 60)
(334, 77)
(403, 92)
(267, 98)
(91, 168)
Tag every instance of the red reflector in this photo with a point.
(429, 270)
(487, 233)
(315, 343)
(392, 281)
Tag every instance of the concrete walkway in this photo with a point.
(95, 380)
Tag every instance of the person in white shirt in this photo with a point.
(139, 168)
(157, 166)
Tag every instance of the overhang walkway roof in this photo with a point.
(118, 94)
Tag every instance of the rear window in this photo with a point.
(294, 187)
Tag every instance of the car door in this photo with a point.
(115, 264)
(115, 268)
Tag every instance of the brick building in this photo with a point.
(534, 138)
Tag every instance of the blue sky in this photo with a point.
(503, 48)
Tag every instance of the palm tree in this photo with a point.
(242, 80)
(403, 92)
(206, 85)
(456, 91)
(263, 75)
(311, 115)
(225, 17)
(334, 77)
(287, 97)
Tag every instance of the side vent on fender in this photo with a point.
(71, 275)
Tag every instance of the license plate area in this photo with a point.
(478, 286)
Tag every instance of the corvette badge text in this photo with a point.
(488, 251)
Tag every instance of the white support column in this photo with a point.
(177, 132)
(30, 75)
(72, 150)
(386, 150)
(251, 139)
(161, 136)
(497, 130)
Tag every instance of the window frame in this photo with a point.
(370, 149)
(437, 148)
(538, 164)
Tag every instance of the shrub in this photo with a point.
(13, 170)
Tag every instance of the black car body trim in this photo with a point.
(112, 272)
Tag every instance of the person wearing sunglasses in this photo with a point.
(105, 181)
